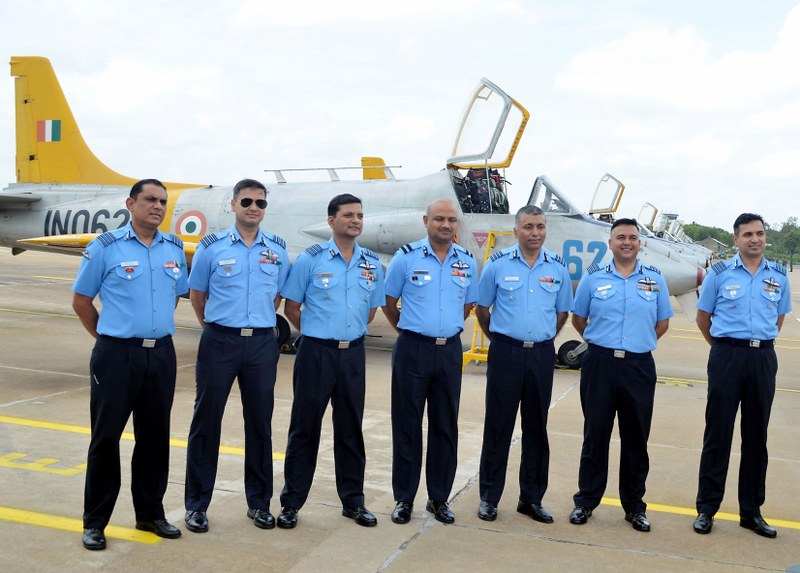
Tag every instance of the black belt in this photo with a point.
(241, 331)
(618, 353)
(432, 339)
(340, 344)
(520, 343)
(140, 342)
(746, 343)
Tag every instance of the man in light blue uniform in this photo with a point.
(138, 272)
(740, 312)
(235, 283)
(621, 310)
(437, 282)
(529, 291)
(340, 286)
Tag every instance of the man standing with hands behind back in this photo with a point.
(437, 282)
(235, 283)
(530, 293)
(138, 272)
(740, 313)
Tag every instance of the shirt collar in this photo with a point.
(235, 236)
(737, 262)
(333, 250)
(611, 267)
(428, 249)
(541, 258)
(131, 234)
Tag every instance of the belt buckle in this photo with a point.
(344, 344)
(528, 344)
(441, 341)
(246, 332)
(755, 344)
(619, 354)
(148, 343)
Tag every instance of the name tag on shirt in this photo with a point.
(511, 279)
(129, 264)
(604, 287)
(227, 262)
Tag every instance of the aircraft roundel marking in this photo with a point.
(191, 223)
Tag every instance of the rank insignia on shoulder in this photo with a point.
(778, 267)
(407, 248)
(558, 259)
(720, 267)
(496, 256)
(593, 268)
(209, 240)
(278, 240)
(314, 250)
(107, 238)
(652, 268)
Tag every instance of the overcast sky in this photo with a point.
(694, 105)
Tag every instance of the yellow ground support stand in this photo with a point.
(479, 349)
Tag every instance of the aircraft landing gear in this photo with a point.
(570, 354)
(283, 333)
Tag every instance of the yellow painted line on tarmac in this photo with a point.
(675, 381)
(662, 508)
(54, 278)
(236, 451)
(36, 313)
(75, 525)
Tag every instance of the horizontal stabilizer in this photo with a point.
(19, 200)
(74, 244)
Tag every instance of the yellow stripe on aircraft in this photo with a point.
(75, 525)
(662, 508)
(236, 451)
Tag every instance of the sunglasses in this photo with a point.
(247, 201)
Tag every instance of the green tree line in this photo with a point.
(783, 239)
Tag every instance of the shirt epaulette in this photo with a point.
(778, 267)
(314, 250)
(557, 259)
(652, 268)
(497, 255)
(592, 268)
(172, 239)
(209, 240)
(278, 240)
(410, 247)
(370, 253)
(106, 238)
(463, 250)
(720, 267)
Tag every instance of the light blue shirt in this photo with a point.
(336, 296)
(433, 293)
(137, 284)
(526, 299)
(241, 281)
(744, 305)
(622, 312)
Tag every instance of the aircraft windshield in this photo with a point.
(549, 199)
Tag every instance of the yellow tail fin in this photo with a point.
(50, 147)
(373, 167)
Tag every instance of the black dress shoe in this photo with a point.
(536, 512)
(160, 527)
(262, 518)
(487, 511)
(196, 521)
(361, 515)
(703, 523)
(580, 515)
(758, 525)
(638, 520)
(94, 539)
(402, 512)
(287, 519)
(441, 511)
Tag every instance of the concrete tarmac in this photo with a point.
(44, 434)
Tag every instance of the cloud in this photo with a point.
(779, 164)
(675, 67)
(781, 118)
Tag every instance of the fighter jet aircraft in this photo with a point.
(64, 196)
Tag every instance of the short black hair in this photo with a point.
(248, 184)
(745, 218)
(137, 187)
(339, 200)
(619, 222)
(532, 210)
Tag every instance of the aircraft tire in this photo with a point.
(282, 330)
(564, 357)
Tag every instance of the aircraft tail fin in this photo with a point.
(374, 167)
(50, 147)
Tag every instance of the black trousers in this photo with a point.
(746, 376)
(223, 356)
(128, 379)
(422, 372)
(521, 378)
(624, 387)
(322, 374)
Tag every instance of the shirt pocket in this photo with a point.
(128, 273)
(648, 295)
(771, 296)
(603, 295)
(419, 286)
(461, 283)
(324, 284)
(174, 272)
(269, 272)
(228, 271)
(511, 292)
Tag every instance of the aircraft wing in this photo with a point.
(74, 244)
